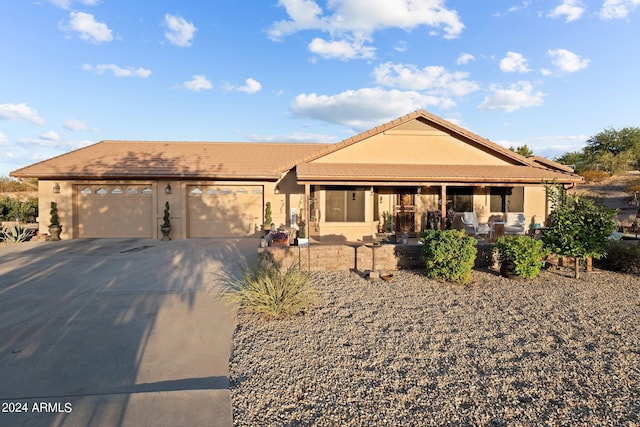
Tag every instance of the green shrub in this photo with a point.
(623, 257)
(449, 255)
(268, 293)
(12, 209)
(526, 253)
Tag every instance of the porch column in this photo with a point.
(443, 201)
(307, 210)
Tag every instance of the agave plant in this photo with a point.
(16, 234)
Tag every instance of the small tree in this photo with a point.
(54, 214)
(267, 213)
(578, 228)
(166, 217)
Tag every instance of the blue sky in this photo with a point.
(548, 74)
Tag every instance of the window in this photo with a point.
(86, 191)
(507, 199)
(101, 191)
(460, 199)
(116, 191)
(212, 191)
(345, 204)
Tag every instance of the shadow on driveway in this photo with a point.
(122, 332)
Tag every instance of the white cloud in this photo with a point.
(88, 28)
(118, 71)
(50, 136)
(3, 137)
(66, 4)
(356, 21)
(251, 86)
(401, 46)
(572, 10)
(514, 63)
(435, 80)
(198, 83)
(612, 9)
(512, 98)
(512, 9)
(567, 61)
(361, 109)
(20, 112)
(75, 125)
(341, 49)
(180, 32)
(465, 58)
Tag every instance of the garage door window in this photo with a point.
(101, 191)
(147, 191)
(116, 191)
(196, 191)
(85, 191)
(212, 191)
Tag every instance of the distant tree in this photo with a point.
(523, 150)
(614, 149)
(576, 159)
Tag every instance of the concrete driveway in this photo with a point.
(122, 332)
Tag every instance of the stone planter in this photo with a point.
(54, 231)
(165, 230)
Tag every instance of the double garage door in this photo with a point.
(127, 211)
(117, 211)
(223, 211)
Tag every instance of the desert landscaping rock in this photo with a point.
(549, 351)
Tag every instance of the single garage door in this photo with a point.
(224, 211)
(115, 211)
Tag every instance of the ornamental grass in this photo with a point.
(266, 292)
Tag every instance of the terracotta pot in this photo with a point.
(508, 269)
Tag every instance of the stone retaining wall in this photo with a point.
(356, 257)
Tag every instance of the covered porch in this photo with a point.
(354, 212)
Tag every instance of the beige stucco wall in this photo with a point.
(395, 147)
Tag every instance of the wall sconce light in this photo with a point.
(167, 189)
(56, 188)
(353, 196)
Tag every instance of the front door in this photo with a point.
(405, 213)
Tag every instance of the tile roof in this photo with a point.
(429, 173)
(151, 159)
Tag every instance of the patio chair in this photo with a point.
(471, 225)
(514, 223)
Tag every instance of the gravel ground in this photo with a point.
(413, 351)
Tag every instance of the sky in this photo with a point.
(545, 73)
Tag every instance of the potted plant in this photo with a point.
(278, 238)
(521, 256)
(302, 238)
(54, 223)
(165, 228)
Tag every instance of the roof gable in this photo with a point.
(419, 137)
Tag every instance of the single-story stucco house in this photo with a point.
(411, 165)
